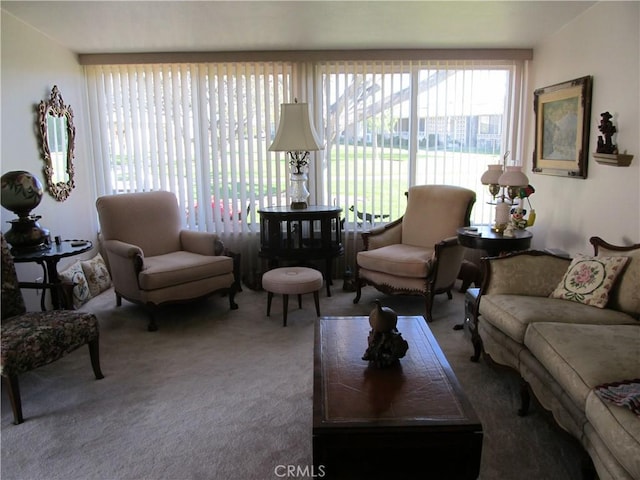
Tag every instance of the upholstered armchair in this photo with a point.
(419, 253)
(32, 339)
(153, 261)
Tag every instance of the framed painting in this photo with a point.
(563, 121)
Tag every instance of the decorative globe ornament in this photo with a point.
(21, 193)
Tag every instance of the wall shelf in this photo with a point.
(616, 160)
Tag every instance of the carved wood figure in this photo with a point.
(605, 145)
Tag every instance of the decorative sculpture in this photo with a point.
(608, 129)
(386, 345)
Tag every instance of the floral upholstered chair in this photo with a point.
(33, 339)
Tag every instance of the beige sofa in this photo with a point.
(564, 350)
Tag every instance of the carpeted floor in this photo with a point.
(220, 394)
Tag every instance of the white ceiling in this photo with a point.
(193, 26)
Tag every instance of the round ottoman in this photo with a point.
(292, 281)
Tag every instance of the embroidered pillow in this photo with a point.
(75, 275)
(97, 275)
(589, 280)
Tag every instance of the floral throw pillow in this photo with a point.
(75, 275)
(97, 275)
(589, 280)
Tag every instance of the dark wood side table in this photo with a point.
(48, 259)
(495, 244)
(300, 235)
(387, 423)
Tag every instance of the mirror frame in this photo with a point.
(55, 106)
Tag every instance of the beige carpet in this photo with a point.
(219, 394)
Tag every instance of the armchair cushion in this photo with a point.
(435, 213)
(399, 259)
(181, 267)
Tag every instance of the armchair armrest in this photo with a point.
(448, 255)
(126, 261)
(531, 272)
(204, 243)
(388, 234)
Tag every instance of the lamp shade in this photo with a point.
(513, 177)
(492, 175)
(295, 131)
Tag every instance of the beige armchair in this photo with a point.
(418, 254)
(153, 262)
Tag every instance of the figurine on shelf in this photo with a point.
(386, 345)
(608, 129)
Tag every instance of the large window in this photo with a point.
(391, 125)
(203, 130)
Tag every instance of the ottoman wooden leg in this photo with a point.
(316, 299)
(269, 298)
(299, 301)
(285, 307)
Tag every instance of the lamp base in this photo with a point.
(299, 192)
(26, 235)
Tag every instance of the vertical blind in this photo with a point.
(390, 125)
(202, 130)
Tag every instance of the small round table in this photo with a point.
(48, 259)
(495, 244)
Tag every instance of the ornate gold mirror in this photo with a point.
(57, 134)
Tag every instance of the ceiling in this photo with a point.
(210, 26)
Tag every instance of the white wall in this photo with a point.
(31, 65)
(604, 42)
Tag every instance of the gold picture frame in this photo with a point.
(563, 121)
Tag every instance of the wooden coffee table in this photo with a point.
(386, 423)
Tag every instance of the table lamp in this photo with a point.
(297, 137)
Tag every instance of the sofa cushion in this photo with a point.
(619, 428)
(400, 259)
(512, 314)
(625, 296)
(580, 357)
(588, 279)
(181, 267)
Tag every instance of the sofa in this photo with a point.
(580, 360)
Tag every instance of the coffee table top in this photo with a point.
(421, 391)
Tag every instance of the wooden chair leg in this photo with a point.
(428, 306)
(316, 299)
(13, 389)
(94, 353)
(285, 307)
